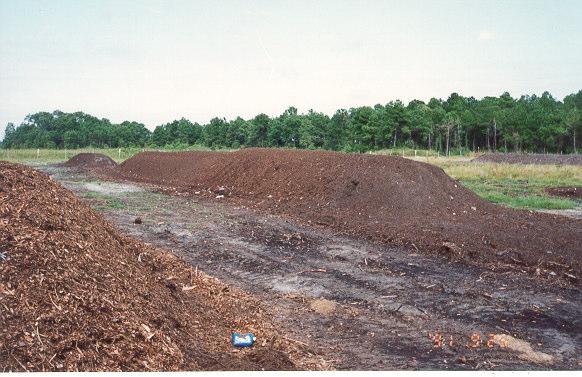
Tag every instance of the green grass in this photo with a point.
(517, 194)
(115, 204)
(95, 195)
(52, 156)
(110, 204)
(518, 186)
(104, 201)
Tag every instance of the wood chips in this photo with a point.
(75, 294)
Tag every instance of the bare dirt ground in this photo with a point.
(566, 192)
(357, 304)
(575, 213)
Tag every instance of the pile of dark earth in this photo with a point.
(387, 199)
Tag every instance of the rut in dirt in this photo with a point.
(384, 198)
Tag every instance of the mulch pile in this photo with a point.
(77, 295)
(384, 198)
(531, 158)
(566, 192)
(86, 161)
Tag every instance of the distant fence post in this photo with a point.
(119, 153)
(37, 153)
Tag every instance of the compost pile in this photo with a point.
(86, 161)
(77, 295)
(385, 198)
(530, 158)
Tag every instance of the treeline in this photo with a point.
(530, 123)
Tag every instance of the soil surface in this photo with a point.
(76, 295)
(358, 304)
(389, 199)
(90, 161)
(531, 158)
(566, 192)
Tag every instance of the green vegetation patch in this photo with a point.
(103, 201)
(517, 194)
(95, 195)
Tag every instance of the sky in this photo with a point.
(156, 61)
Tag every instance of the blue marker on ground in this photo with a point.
(243, 340)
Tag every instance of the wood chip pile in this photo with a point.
(77, 295)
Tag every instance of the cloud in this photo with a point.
(486, 35)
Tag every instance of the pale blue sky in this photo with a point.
(155, 61)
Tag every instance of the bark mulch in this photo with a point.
(75, 294)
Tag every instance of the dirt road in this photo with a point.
(356, 304)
